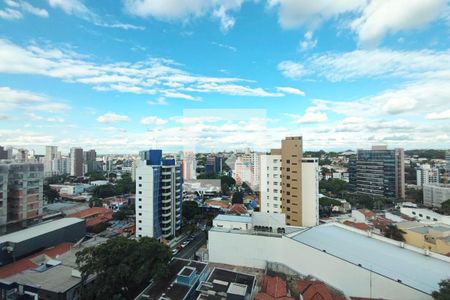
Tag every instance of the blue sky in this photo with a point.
(203, 75)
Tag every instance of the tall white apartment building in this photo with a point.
(299, 177)
(435, 194)
(427, 175)
(270, 183)
(189, 166)
(158, 196)
(247, 169)
(51, 153)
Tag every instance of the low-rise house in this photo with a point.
(433, 237)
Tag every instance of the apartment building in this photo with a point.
(90, 161)
(21, 193)
(158, 196)
(435, 194)
(290, 183)
(76, 162)
(427, 175)
(378, 172)
(189, 166)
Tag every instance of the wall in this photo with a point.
(310, 192)
(144, 201)
(418, 240)
(254, 251)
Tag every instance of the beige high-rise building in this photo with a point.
(291, 178)
(290, 183)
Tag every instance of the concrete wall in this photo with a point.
(144, 201)
(254, 251)
(310, 192)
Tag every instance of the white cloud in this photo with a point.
(112, 118)
(10, 14)
(27, 7)
(296, 13)
(185, 10)
(51, 107)
(374, 24)
(308, 41)
(290, 90)
(443, 115)
(380, 62)
(158, 101)
(371, 20)
(399, 105)
(291, 69)
(309, 117)
(36, 117)
(160, 77)
(79, 9)
(73, 7)
(153, 120)
(231, 48)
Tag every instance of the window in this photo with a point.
(413, 212)
(275, 183)
(428, 217)
(420, 215)
(275, 191)
(275, 206)
(140, 214)
(288, 161)
(275, 175)
(140, 185)
(140, 228)
(275, 198)
(288, 208)
(140, 221)
(275, 168)
(140, 192)
(140, 206)
(268, 197)
(140, 177)
(140, 199)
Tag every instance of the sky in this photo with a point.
(210, 75)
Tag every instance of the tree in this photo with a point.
(122, 267)
(325, 201)
(237, 198)
(227, 182)
(190, 209)
(50, 194)
(393, 232)
(104, 191)
(96, 176)
(334, 186)
(444, 290)
(445, 207)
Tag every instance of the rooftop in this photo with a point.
(234, 218)
(169, 289)
(37, 230)
(382, 257)
(221, 281)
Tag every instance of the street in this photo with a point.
(188, 252)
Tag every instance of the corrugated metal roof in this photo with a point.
(412, 268)
(25, 234)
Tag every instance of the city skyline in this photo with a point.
(177, 75)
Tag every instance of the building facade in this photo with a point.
(290, 184)
(189, 166)
(51, 153)
(435, 194)
(378, 172)
(90, 161)
(3, 153)
(76, 162)
(158, 196)
(427, 175)
(21, 193)
(213, 164)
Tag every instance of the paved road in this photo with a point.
(188, 252)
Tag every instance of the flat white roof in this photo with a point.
(412, 268)
(234, 218)
(28, 233)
